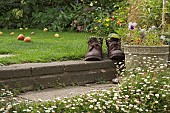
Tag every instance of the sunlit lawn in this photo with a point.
(44, 47)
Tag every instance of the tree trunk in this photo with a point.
(163, 15)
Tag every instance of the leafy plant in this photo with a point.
(150, 12)
(141, 36)
(55, 15)
(107, 20)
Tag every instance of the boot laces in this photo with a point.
(94, 45)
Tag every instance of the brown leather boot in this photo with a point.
(95, 49)
(114, 49)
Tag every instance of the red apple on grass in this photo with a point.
(21, 37)
(27, 39)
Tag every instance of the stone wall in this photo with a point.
(57, 73)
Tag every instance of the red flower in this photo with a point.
(113, 18)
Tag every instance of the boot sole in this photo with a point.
(92, 58)
(118, 57)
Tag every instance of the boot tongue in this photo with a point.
(93, 40)
(114, 39)
(114, 43)
(94, 44)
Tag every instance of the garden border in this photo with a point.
(57, 73)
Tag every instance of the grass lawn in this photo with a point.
(44, 46)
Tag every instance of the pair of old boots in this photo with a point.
(95, 49)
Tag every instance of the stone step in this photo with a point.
(57, 73)
(67, 92)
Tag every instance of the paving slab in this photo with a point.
(69, 91)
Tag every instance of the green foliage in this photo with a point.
(79, 15)
(57, 15)
(135, 35)
(106, 20)
(52, 18)
(9, 12)
(20, 13)
(151, 13)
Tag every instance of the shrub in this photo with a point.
(56, 15)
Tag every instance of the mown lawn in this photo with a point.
(45, 47)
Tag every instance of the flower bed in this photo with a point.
(144, 89)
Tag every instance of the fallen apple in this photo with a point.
(32, 33)
(57, 35)
(12, 33)
(1, 33)
(21, 37)
(27, 39)
(45, 30)
(26, 28)
(21, 28)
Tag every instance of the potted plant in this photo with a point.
(140, 43)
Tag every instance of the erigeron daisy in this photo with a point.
(156, 101)
(91, 106)
(28, 110)
(47, 111)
